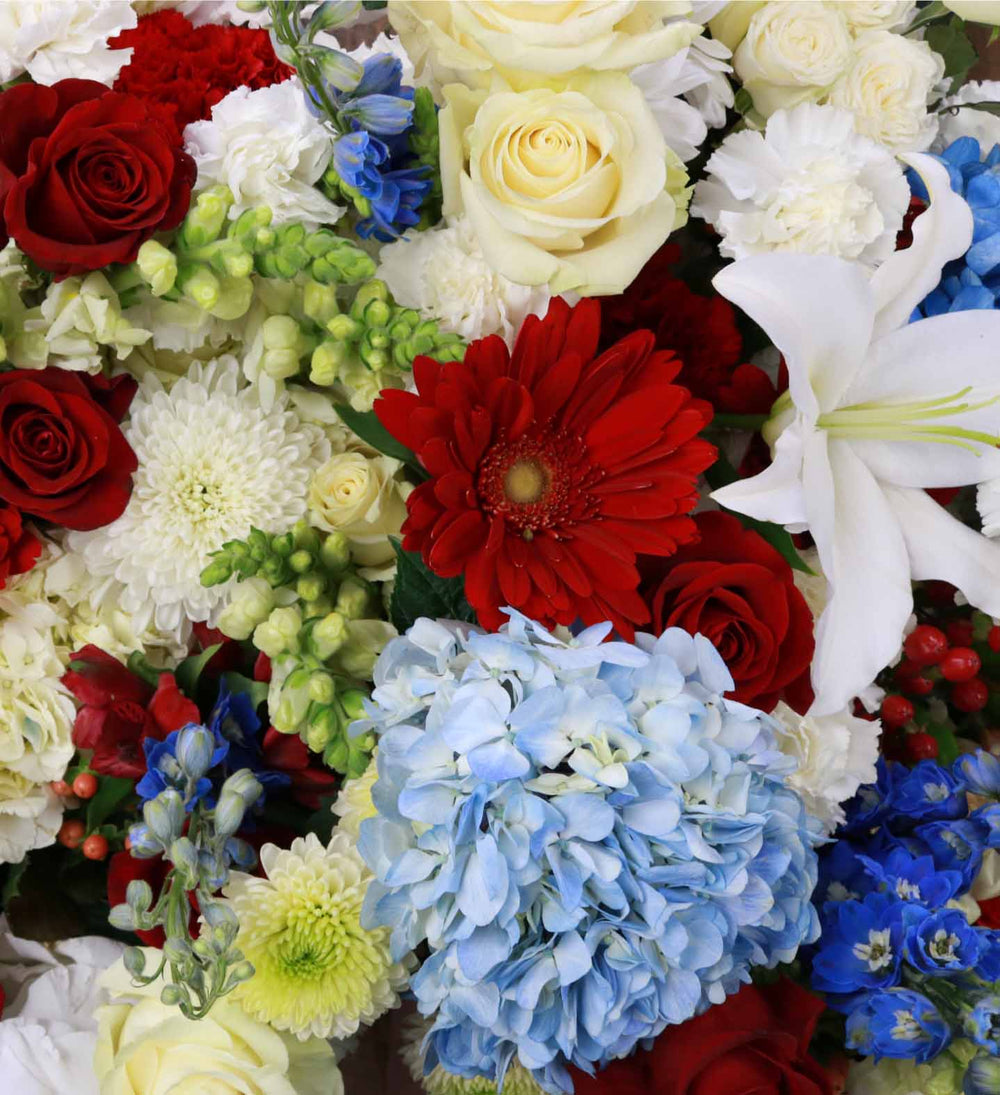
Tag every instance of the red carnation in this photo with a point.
(186, 70)
(738, 591)
(701, 331)
(19, 548)
(551, 467)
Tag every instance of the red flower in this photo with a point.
(18, 547)
(62, 455)
(701, 331)
(120, 710)
(86, 175)
(288, 753)
(185, 70)
(738, 591)
(755, 1043)
(551, 468)
(123, 868)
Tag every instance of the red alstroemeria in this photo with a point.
(288, 753)
(551, 467)
(120, 710)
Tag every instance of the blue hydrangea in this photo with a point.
(973, 281)
(591, 842)
(898, 1023)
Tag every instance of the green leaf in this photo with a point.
(367, 426)
(958, 53)
(256, 690)
(110, 792)
(743, 103)
(12, 883)
(927, 15)
(990, 108)
(947, 745)
(190, 670)
(420, 592)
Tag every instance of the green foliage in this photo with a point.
(111, 792)
(424, 144)
(959, 54)
(420, 592)
(367, 426)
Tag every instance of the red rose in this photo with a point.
(119, 710)
(86, 175)
(755, 1043)
(62, 455)
(737, 590)
(18, 547)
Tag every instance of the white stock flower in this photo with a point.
(443, 275)
(887, 86)
(809, 184)
(269, 150)
(54, 41)
(212, 465)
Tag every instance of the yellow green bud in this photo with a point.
(310, 587)
(322, 688)
(306, 536)
(319, 302)
(325, 363)
(329, 635)
(301, 561)
(200, 285)
(344, 328)
(353, 598)
(335, 552)
(336, 755)
(279, 633)
(157, 267)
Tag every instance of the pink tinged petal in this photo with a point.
(776, 493)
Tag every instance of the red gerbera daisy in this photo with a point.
(551, 467)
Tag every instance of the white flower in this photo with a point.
(963, 120)
(212, 465)
(200, 12)
(58, 41)
(354, 800)
(443, 274)
(713, 94)
(988, 504)
(877, 410)
(30, 816)
(663, 83)
(269, 150)
(835, 755)
(887, 87)
(810, 184)
(865, 15)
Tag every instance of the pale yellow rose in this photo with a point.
(146, 1048)
(865, 15)
(793, 52)
(730, 26)
(364, 497)
(531, 42)
(976, 11)
(574, 189)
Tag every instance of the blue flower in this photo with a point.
(983, 1023)
(929, 792)
(589, 840)
(394, 194)
(163, 771)
(234, 720)
(897, 1023)
(988, 966)
(955, 846)
(873, 801)
(943, 943)
(981, 773)
(910, 879)
(972, 281)
(982, 1077)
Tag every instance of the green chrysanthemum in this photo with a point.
(318, 971)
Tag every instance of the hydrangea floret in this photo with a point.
(590, 840)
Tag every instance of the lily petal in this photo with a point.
(818, 310)
(775, 494)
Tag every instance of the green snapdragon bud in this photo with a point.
(322, 688)
(200, 285)
(301, 561)
(335, 552)
(157, 267)
(234, 299)
(279, 633)
(310, 587)
(353, 599)
(218, 571)
(326, 362)
(319, 302)
(206, 218)
(337, 755)
(283, 346)
(330, 634)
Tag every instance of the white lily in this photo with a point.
(877, 409)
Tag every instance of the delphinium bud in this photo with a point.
(164, 815)
(194, 750)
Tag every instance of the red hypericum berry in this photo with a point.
(896, 710)
(959, 632)
(925, 645)
(993, 638)
(970, 696)
(95, 846)
(71, 834)
(961, 663)
(921, 746)
(918, 686)
(61, 788)
(85, 785)
(907, 670)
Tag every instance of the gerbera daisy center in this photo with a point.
(526, 482)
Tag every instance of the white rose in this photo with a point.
(887, 87)
(810, 184)
(792, 52)
(976, 11)
(573, 188)
(364, 498)
(269, 150)
(146, 1048)
(527, 42)
(865, 15)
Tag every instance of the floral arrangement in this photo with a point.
(498, 547)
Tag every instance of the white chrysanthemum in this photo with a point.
(835, 755)
(269, 150)
(444, 276)
(809, 184)
(56, 41)
(962, 119)
(318, 971)
(354, 800)
(212, 465)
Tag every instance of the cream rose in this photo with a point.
(529, 42)
(792, 52)
(865, 15)
(146, 1048)
(887, 87)
(573, 188)
(364, 497)
(976, 11)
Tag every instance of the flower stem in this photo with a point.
(752, 422)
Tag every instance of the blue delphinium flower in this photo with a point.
(983, 1023)
(943, 943)
(917, 880)
(234, 719)
(897, 1023)
(592, 843)
(972, 281)
(982, 1077)
(929, 792)
(164, 771)
(981, 773)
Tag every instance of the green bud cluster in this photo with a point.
(424, 144)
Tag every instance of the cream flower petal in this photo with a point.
(776, 493)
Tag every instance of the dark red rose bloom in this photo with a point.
(288, 753)
(19, 548)
(123, 868)
(755, 1043)
(701, 331)
(62, 455)
(86, 175)
(120, 710)
(185, 70)
(738, 591)
(551, 467)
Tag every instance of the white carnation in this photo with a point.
(835, 755)
(30, 818)
(809, 184)
(56, 41)
(443, 275)
(269, 150)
